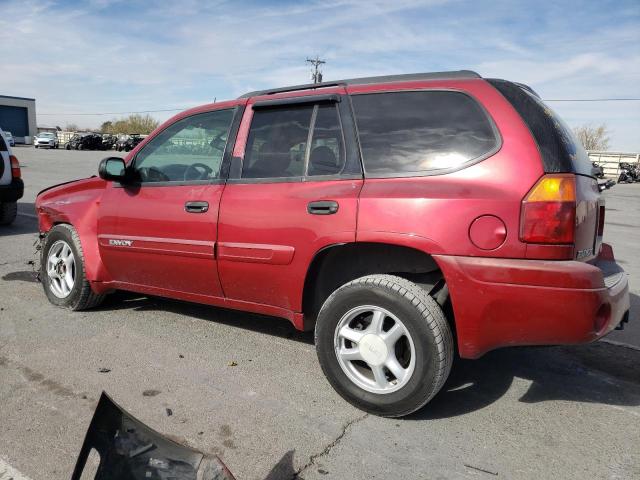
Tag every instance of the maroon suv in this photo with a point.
(400, 217)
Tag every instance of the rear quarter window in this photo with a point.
(561, 152)
(421, 132)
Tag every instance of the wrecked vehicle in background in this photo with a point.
(129, 450)
(128, 142)
(85, 141)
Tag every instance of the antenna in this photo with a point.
(316, 74)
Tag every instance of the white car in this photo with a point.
(11, 185)
(46, 139)
(9, 138)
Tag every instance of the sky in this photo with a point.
(112, 56)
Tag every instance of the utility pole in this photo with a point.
(316, 74)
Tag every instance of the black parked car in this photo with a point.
(629, 173)
(85, 141)
(597, 170)
(128, 142)
(108, 141)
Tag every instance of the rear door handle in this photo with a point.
(196, 207)
(322, 207)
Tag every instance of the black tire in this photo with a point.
(36, 146)
(8, 212)
(67, 146)
(81, 297)
(423, 319)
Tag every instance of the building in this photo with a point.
(18, 116)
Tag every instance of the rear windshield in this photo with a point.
(561, 152)
(421, 132)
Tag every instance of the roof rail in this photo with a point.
(457, 74)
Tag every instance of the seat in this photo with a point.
(323, 162)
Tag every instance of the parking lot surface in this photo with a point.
(249, 389)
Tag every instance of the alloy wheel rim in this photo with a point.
(374, 349)
(61, 269)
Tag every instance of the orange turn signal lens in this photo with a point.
(554, 188)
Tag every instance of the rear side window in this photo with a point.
(294, 141)
(3, 145)
(561, 152)
(421, 132)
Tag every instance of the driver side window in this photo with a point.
(190, 150)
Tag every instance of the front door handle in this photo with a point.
(196, 207)
(322, 207)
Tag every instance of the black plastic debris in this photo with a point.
(129, 450)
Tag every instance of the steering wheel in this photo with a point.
(152, 174)
(201, 171)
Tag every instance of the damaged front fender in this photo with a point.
(129, 450)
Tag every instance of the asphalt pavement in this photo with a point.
(249, 389)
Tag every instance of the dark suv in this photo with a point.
(398, 216)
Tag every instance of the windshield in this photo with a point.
(46, 134)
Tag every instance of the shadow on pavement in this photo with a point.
(282, 469)
(22, 224)
(275, 326)
(594, 373)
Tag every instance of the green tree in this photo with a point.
(106, 127)
(136, 123)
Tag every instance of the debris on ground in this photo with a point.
(169, 412)
(104, 370)
(150, 393)
(232, 363)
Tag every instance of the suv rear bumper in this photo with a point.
(508, 302)
(12, 192)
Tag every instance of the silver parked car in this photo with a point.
(9, 137)
(46, 139)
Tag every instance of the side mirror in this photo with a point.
(112, 168)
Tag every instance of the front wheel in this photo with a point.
(384, 344)
(62, 270)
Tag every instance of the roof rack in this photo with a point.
(457, 74)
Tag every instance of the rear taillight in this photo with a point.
(601, 221)
(15, 167)
(548, 212)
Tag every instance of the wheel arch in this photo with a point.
(337, 264)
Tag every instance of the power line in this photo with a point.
(118, 113)
(592, 100)
(320, 74)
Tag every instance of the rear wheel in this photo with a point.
(8, 212)
(384, 344)
(63, 272)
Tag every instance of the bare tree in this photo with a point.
(593, 137)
